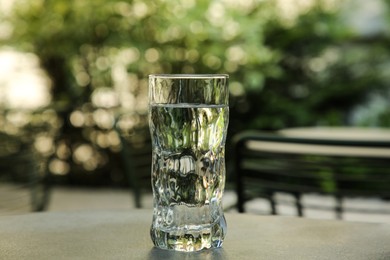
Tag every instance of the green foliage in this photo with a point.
(286, 69)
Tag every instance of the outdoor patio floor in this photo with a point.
(70, 199)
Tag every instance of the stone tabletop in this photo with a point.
(124, 234)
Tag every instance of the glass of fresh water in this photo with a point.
(188, 119)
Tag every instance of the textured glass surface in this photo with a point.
(188, 125)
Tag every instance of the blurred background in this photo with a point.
(73, 77)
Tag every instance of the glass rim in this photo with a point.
(189, 76)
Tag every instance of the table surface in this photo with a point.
(124, 234)
(339, 133)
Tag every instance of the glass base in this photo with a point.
(190, 240)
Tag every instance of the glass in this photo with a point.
(188, 119)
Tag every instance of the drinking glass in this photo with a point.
(188, 119)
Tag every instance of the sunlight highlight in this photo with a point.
(23, 85)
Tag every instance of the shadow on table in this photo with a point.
(156, 253)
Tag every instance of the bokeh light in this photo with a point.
(77, 71)
(23, 84)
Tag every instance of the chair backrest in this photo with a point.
(24, 182)
(269, 163)
(136, 155)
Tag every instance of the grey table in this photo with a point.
(125, 235)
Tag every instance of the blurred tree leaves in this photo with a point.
(291, 63)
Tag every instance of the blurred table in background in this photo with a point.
(339, 163)
(339, 133)
(124, 234)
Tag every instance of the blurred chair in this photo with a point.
(24, 184)
(270, 163)
(136, 155)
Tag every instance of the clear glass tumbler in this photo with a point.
(188, 119)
